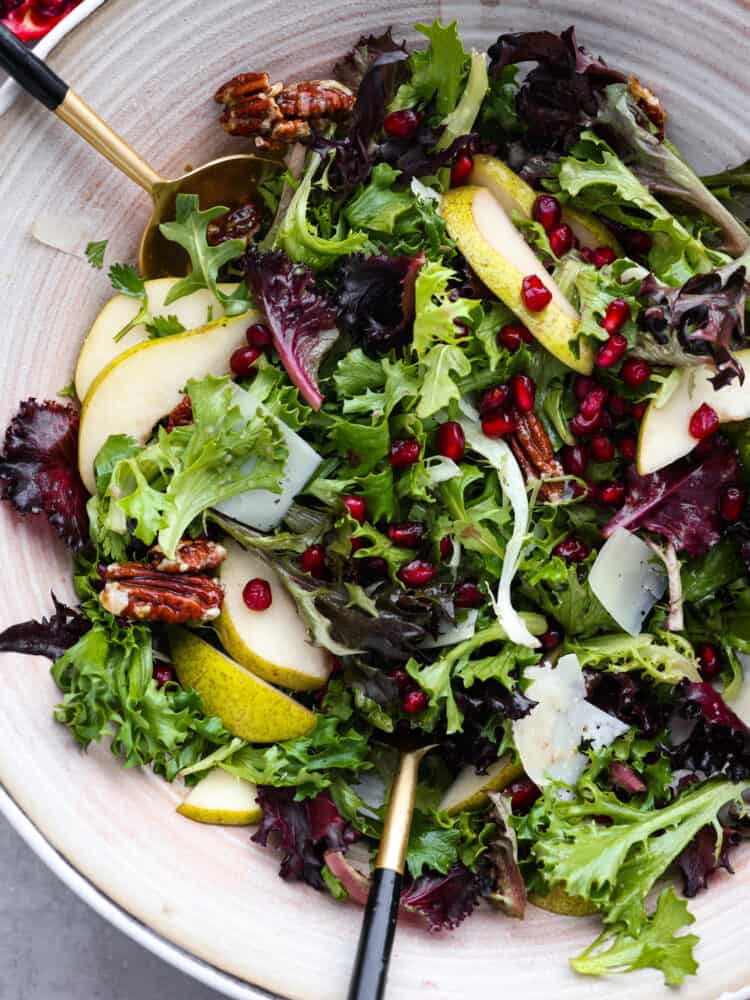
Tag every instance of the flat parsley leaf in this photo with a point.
(95, 253)
(163, 326)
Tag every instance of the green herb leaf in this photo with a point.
(95, 253)
(163, 326)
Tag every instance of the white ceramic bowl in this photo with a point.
(204, 898)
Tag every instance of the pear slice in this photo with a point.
(665, 435)
(222, 799)
(515, 195)
(100, 347)
(557, 900)
(502, 258)
(248, 707)
(142, 385)
(272, 643)
(469, 790)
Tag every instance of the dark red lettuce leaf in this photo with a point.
(681, 502)
(718, 743)
(448, 899)
(559, 97)
(623, 776)
(301, 318)
(304, 831)
(353, 67)
(629, 699)
(376, 300)
(49, 637)
(699, 860)
(39, 468)
(705, 318)
(482, 702)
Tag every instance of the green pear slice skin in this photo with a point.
(469, 790)
(515, 195)
(248, 706)
(142, 385)
(665, 436)
(502, 258)
(100, 347)
(272, 643)
(222, 799)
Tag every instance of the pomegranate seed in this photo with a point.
(574, 459)
(356, 506)
(618, 406)
(571, 549)
(603, 256)
(524, 391)
(414, 702)
(637, 410)
(509, 338)
(450, 440)
(731, 503)
(592, 403)
(708, 658)
(612, 494)
(243, 359)
(336, 665)
(548, 211)
(463, 330)
(523, 793)
(704, 422)
(468, 595)
(313, 560)
(637, 243)
(582, 386)
(615, 316)
(534, 293)
(417, 573)
(611, 352)
(401, 124)
(561, 240)
(258, 335)
(356, 543)
(628, 447)
(493, 399)
(164, 673)
(551, 639)
(373, 567)
(602, 449)
(588, 254)
(461, 170)
(407, 534)
(581, 426)
(605, 423)
(404, 451)
(497, 425)
(257, 594)
(401, 679)
(446, 548)
(635, 371)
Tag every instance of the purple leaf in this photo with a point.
(703, 318)
(301, 318)
(49, 637)
(628, 698)
(718, 743)
(681, 502)
(448, 899)
(699, 860)
(376, 299)
(623, 776)
(39, 469)
(304, 831)
(353, 67)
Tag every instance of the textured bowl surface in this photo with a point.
(150, 68)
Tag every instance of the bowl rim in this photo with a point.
(179, 958)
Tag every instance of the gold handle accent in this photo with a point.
(75, 112)
(395, 840)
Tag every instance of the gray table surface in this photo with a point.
(53, 946)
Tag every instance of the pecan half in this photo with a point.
(134, 591)
(533, 450)
(241, 223)
(650, 103)
(193, 555)
(276, 115)
(181, 415)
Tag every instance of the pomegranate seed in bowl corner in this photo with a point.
(403, 452)
(547, 211)
(534, 293)
(450, 440)
(356, 506)
(524, 391)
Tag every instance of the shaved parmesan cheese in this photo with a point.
(464, 628)
(741, 704)
(627, 579)
(499, 455)
(69, 233)
(549, 737)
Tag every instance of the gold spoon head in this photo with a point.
(230, 181)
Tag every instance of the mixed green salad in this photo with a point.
(445, 434)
